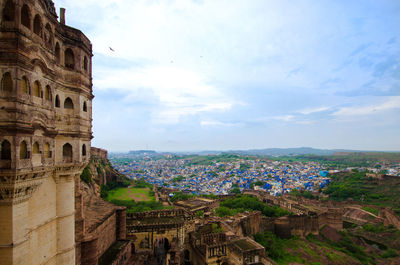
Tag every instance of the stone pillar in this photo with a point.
(14, 240)
(89, 252)
(121, 223)
(65, 220)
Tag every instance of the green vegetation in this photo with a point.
(86, 175)
(343, 160)
(390, 253)
(367, 190)
(235, 190)
(320, 250)
(105, 189)
(141, 183)
(303, 193)
(347, 250)
(200, 213)
(216, 229)
(127, 194)
(180, 196)
(258, 183)
(133, 207)
(348, 246)
(178, 179)
(371, 210)
(244, 203)
(275, 247)
(212, 159)
(139, 197)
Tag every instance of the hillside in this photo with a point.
(346, 159)
(99, 171)
(362, 245)
(383, 192)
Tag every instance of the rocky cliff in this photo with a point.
(97, 222)
(99, 172)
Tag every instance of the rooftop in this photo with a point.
(112, 252)
(245, 245)
(157, 220)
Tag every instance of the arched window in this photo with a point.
(23, 150)
(85, 64)
(37, 89)
(37, 25)
(6, 82)
(69, 59)
(46, 149)
(68, 104)
(5, 150)
(35, 148)
(47, 93)
(26, 16)
(48, 34)
(57, 103)
(83, 150)
(8, 11)
(57, 52)
(25, 85)
(67, 152)
(84, 107)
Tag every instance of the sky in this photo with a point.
(243, 74)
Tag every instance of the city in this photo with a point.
(213, 175)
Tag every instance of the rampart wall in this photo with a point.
(102, 153)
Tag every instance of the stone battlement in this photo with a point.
(102, 153)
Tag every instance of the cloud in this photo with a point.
(389, 104)
(359, 49)
(185, 69)
(178, 91)
(213, 123)
(286, 118)
(313, 110)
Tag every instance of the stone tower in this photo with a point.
(45, 131)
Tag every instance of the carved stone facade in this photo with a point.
(45, 131)
(148, 227)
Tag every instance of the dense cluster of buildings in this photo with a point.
(220, 177)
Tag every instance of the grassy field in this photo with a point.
(130, 193)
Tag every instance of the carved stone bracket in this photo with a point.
(18, 187)
(68, 171)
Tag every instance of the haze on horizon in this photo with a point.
(222, 75)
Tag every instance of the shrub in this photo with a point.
(86, 176)
(274, 246)
(390, 253)
(200, 213)
(249, 203)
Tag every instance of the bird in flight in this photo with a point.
(111, 49)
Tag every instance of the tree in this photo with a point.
(200, 213)
(235, 190)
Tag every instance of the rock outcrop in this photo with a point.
(99, 224)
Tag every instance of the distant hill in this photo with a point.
(274, 152)
(291, 151)
(142, 152)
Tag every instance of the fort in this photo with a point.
(45, 143)
(49, 216)
(98, 152)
